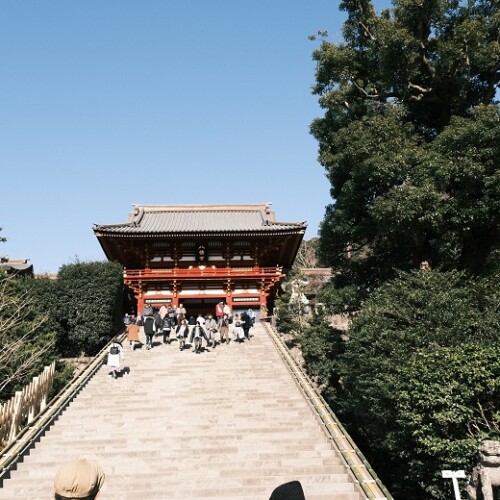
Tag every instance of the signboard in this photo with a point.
(450, 474)
(454, 475)
(201, 254)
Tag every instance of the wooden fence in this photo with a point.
(22, 408)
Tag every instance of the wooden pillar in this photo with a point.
(140, 304)
(263, 298)
(175, 298)
(139, 295)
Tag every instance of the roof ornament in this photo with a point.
(268, 212)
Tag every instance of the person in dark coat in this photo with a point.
(149, 330)
(166, 329)
(158, 322)
(247, 324)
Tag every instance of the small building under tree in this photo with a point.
(19, 267)
(199, 255)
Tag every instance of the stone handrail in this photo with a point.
(364, 475)
(23, 407)
(28, 435)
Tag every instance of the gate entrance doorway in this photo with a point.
(200, 306)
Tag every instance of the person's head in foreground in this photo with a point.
(288, 491)
(79, 479)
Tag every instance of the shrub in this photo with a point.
(89, 306)
(419, 377)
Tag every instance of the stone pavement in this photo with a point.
(225, 424)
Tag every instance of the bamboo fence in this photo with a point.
(25, 405)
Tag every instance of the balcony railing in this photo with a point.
(206, 272)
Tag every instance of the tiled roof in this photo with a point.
(200, 219)
(21, 266)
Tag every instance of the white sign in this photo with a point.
(454, 475)
(449, 474)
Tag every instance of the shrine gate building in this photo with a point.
(199, 255)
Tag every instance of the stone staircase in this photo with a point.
(225, 424)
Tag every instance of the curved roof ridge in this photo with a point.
(201, 204)
(208, 218)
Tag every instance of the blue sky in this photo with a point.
(108, 103)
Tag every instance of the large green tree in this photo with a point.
(410, 139)
(419, 377)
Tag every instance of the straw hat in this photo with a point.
(79, 479)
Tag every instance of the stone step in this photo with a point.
(217, 469)
(256, 452)
(188, 487)
(154, 459)
(264, 459)
(218, 494)
(225, 424)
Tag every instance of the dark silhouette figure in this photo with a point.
(288, 491)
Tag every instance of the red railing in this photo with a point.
(207, 272)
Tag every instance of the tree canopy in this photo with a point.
(420, 376)
(410, 139)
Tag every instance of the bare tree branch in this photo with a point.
(426, 60)
(17, 356)
(422, 90)
(366, 31)
(363, 91)
(306, 256)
